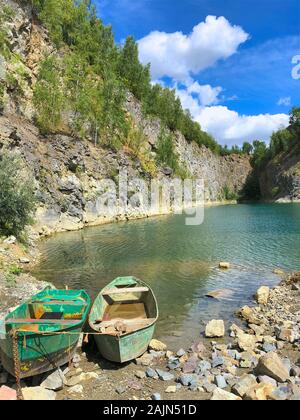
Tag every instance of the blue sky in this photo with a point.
(233, 71)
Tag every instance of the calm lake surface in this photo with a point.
(180, 262)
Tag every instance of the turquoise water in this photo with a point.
(181, 262)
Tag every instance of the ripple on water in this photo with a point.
(180, 262)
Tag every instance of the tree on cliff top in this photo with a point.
(74, 24)
(17, 199)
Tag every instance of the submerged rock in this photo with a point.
(224, 265)
(220, 294)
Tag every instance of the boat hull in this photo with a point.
(43, 344)
(38, 366)
(125, 348)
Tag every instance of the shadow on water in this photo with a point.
(179, 262)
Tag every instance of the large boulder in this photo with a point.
(244, 385)
(260, 392)
(262, 295)
(215, 329)
(271, 365)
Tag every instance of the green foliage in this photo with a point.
(17, 200)
(166, 154)
(282, 141)
(6, 15)
(251, 190)
(275, 191)
(49, 99)
(228, 194)
(135, 76)
(15, 270)
(10, 280)
(260, 151)
(93, 64)
(247, 148)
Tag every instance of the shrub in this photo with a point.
(17, 199)
(228, 194)
(166, 154)
(15, 270)
(49, 98)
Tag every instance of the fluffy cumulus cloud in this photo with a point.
(231, 128)
(182, 57)
(195, 95)
(177, 55)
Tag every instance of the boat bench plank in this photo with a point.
(128, 322)
(108, 292)
(57, 302)
(42, 321)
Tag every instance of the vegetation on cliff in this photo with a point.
(17, 199)
(283, 141)
(96, 72)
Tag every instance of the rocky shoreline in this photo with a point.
(258, 361)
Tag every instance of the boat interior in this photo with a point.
(47, 313)
(126, 309)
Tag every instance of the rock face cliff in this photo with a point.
(280, 180)
(68, 171)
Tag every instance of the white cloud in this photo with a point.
(177, 55)
(181, 57)
(287, 101)
(228, 127)
(195, 95)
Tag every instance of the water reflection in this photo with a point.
(179, 262)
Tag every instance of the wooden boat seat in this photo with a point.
(112, 327)
(116, 291)
(42, 321)
(57, 302)
(129, 322)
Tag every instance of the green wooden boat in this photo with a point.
(41, 325)
(124, 317)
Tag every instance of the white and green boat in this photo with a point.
(124, 317)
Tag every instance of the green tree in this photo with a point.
(17, 200)
(166, 154)
(136, 76)
(260, 154)
(295, 124)
(49, 98)
(247, 148)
